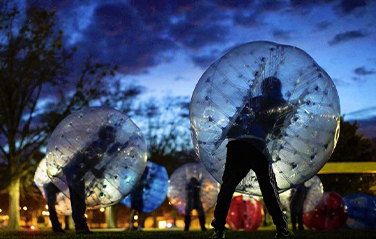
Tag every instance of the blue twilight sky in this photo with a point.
(166, 45)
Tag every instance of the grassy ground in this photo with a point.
(331, 234)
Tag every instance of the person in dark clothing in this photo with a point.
(298, 196)
(194, 202)
(50, 191)
(247, 151)
(83, 162)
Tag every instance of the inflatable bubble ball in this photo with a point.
(314, 193)
(245, 213)
(329, 214)
(276, 94)
(41, 179)
(97, 150)
(204, 191)
(361, 211)
(151, 190)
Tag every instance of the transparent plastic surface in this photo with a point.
(151, 190)
(100, 147)
(63, 204)
(277, 94)
(315, 191)
(179, 180)
(329, 214)
(361, 211)
(245, 213)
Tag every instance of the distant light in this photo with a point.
(162, 224)
(46, 207)
(24, 208)
(169, 225)
(19, 208)
(45, 213)
(135, 217)
(85, 215)
(101, 209)
(32, 227)
(1, 210)
(5, 217)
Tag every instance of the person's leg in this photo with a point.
(268, 186)
(293, 221)
(187, 218)
(201, 215)
(236, 168)
(300, 221)
(77, 197)
(51, 190)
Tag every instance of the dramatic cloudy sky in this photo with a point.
(166, 45)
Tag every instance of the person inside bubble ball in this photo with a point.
(194, 202)
(246, 150)
(298, 196)
(83, 162)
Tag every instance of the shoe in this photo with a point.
(217, 235)
(284, 234)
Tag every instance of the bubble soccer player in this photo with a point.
(83, 162)
(245, 147)
(194, 202)
(298, 196)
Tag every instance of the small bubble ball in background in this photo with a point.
(63, 204)
(245, 213)
(314, 195)
(151, 190)
(177, 189)
(101, 146)
(307, 127)
(361, 211)
(329, 214)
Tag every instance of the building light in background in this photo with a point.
(85, 215)
(102, 209)
(46, 207)
(135, 217)
(162, 224)
(24, 208)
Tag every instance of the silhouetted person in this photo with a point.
(194, 202)
(246, 150)
(298, 196)
(51, 191)
(83, 162)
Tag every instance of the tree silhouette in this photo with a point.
(37, 91)
(351, 147)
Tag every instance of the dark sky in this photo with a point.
(166, 45)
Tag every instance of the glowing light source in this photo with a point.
(135, 217)
(101, 209)
(46, 207)
(85, 215)
(32, 227)
(162, 224)
(24, 208)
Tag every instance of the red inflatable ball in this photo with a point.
(245, 213)
(330, 213)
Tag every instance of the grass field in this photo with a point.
(330, 234)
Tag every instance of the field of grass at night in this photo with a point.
(171, 234)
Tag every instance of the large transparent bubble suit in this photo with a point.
(315, 192)
(151, 190)
(177, 189)
(308, 120)
(101, 146)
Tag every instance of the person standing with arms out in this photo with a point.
(246, 151)
(194, 202)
